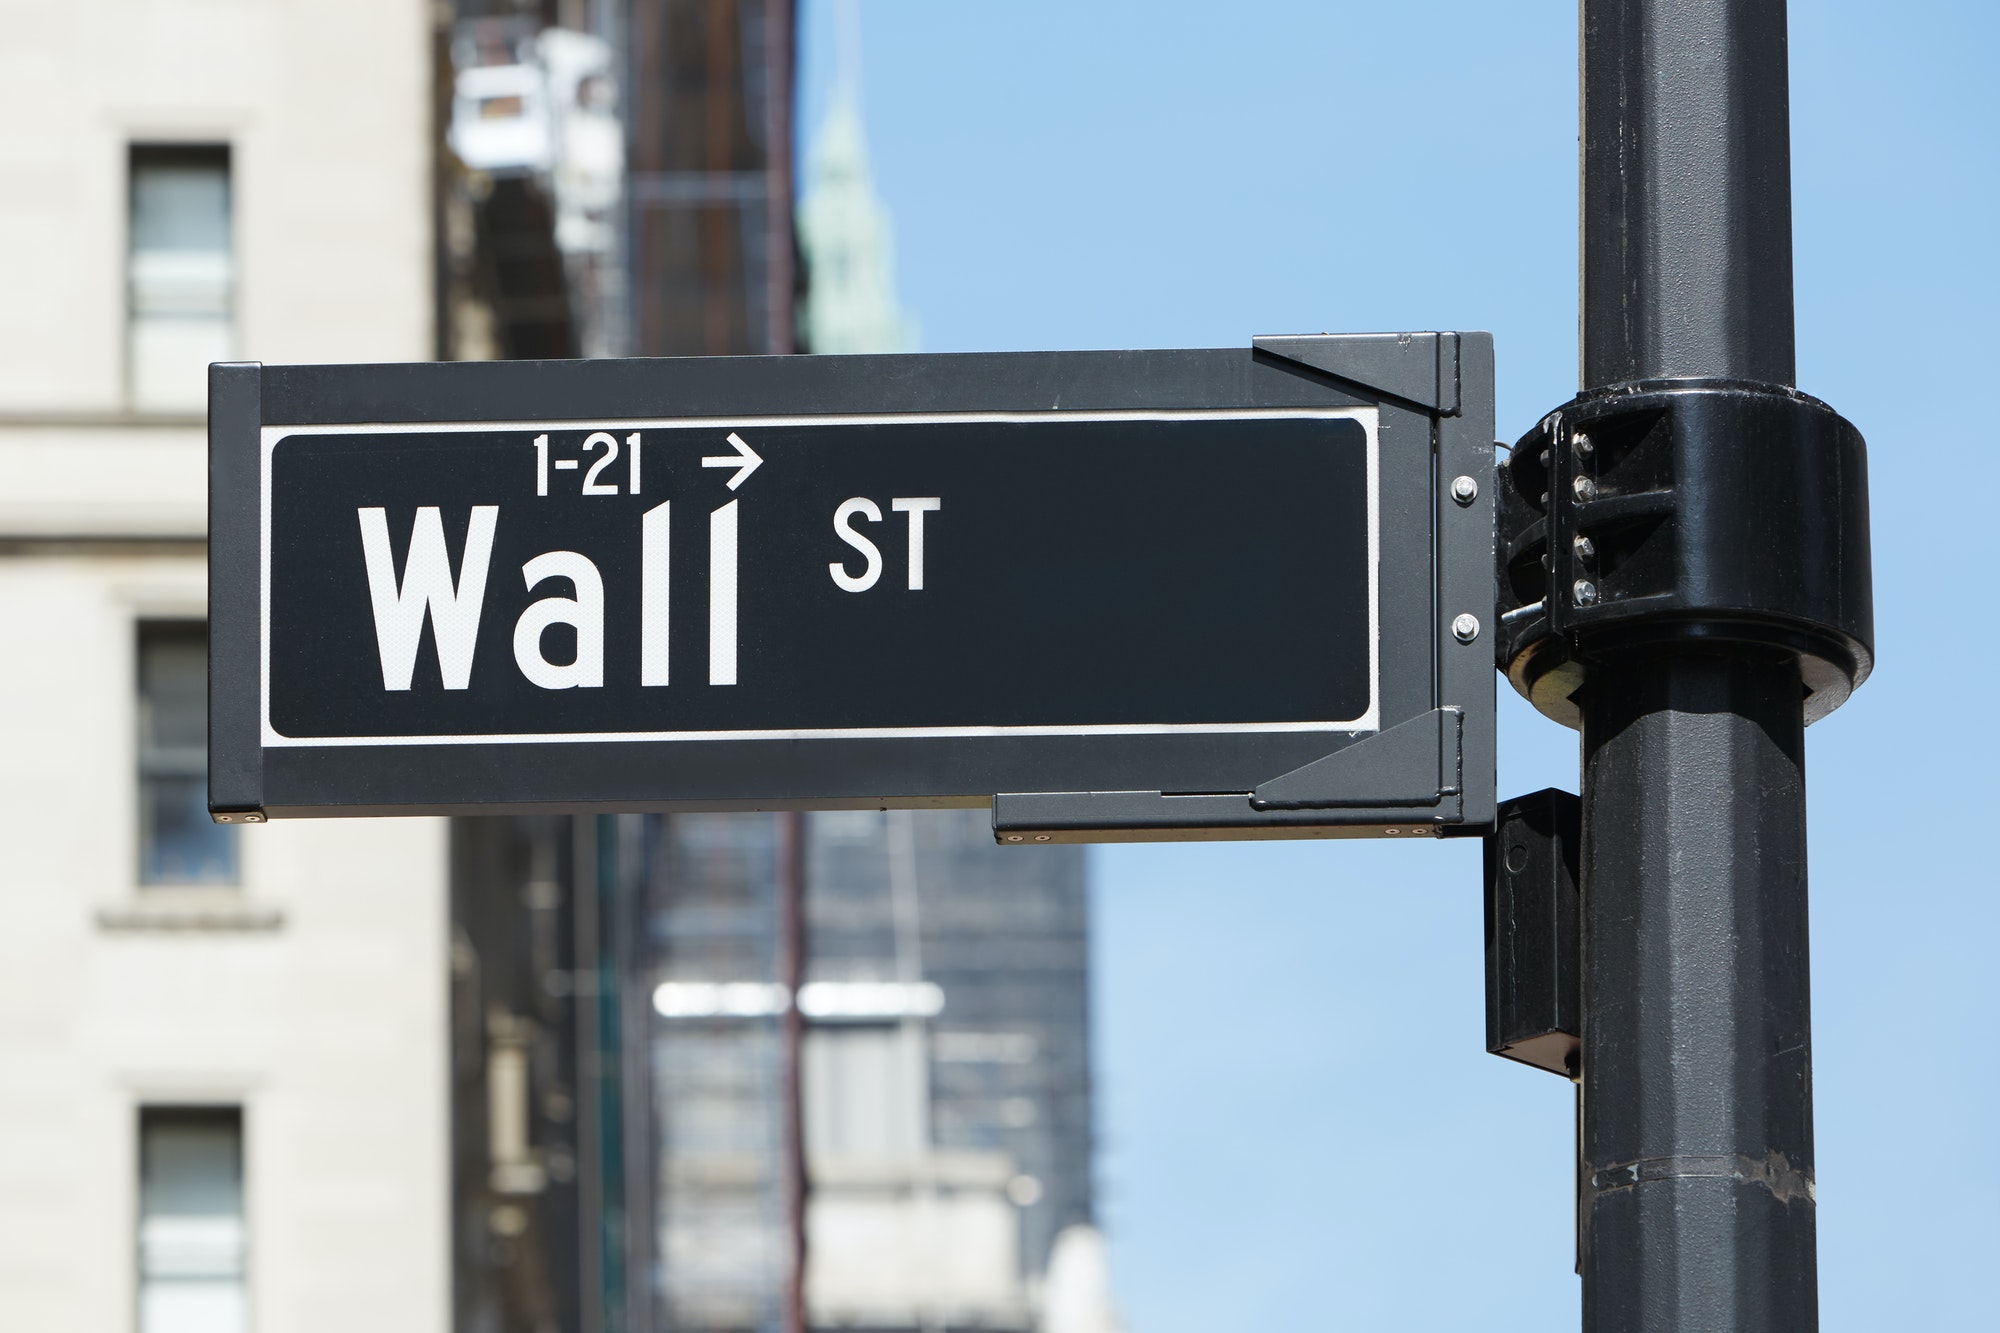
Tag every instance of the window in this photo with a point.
(864, 1092)
(191, 1233)
(180, 274)
(178, 843)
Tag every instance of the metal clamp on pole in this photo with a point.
(1685, 512)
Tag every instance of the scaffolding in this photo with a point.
(724, 1073)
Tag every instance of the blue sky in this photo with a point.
(1300, 1127)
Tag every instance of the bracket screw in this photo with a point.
(1464, 490)
(1585, 548)
(1584, 489)
(1585, 592)
(1466, 627)
(1581, 443)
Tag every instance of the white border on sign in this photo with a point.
(1369, 417)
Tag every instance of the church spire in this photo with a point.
(844, 229)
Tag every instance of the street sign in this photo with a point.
(1116, 594)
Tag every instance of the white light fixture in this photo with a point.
(831, 1000)
(871, 999)
(720, 999)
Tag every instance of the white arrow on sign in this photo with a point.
(745, 460)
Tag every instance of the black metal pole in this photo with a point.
(1696, 1061)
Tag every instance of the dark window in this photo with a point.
(180, 272)
(191, 1233)
(178, 843)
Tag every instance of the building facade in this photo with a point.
(223, 1103)
(946, 1085)
(639, 1073)
(721, 1073)
(770, 1072)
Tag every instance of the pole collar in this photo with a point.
(1668, 515)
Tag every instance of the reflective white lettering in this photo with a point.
(655, 564)
(591, 485)
(843, 528)
(427, 589)
(585, 611)
(722, 595)
(916, 506)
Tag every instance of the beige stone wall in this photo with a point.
(313, 993)
(325, 104)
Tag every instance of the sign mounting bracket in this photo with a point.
(1411, 775)
(1419, 368)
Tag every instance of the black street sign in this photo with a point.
(1137, 594)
